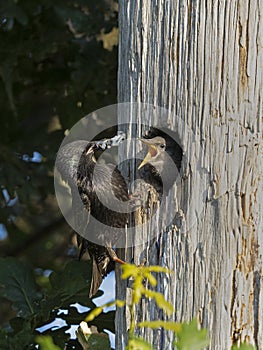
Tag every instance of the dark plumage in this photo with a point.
(90, 181)
(76, 162)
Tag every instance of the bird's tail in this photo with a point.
(96, 279)
(102, 263)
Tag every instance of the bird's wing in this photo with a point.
(81, 213)
(68, 158)
(112, 200)
(111, 187)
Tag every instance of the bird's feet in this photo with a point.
(118, 260)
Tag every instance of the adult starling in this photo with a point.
(76, 162)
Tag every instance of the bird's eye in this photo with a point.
(162, 145)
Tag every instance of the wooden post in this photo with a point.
(203, 62)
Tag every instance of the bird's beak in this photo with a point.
(152, 152)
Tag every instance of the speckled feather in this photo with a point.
(76, 164)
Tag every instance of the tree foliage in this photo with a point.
(57, 64)
(36, 307)
(53, 71)
(188, 336)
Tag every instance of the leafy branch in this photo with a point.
(37, 307)
(188, 335)
(183, 331)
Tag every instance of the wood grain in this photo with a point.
(203, 62)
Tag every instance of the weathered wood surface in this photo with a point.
(203, 61)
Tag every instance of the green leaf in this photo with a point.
(152, 280)
(160, 301)
(120, 303)
(173, 326)
(129, 270)
(73, 283)
(46, 343)
(24, 334)
(97, 342)
(100, 315)
(106, 320)
(4, 339)
(19, 324)
(94, 313)
(59, 335)
(98, 310)
(136, 343)
(191, 338)
(11, 10)
(243, 346)
(6, 73)
(92, 341)
(17, 285)
(138, 291)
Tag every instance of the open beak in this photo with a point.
(152, 152)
